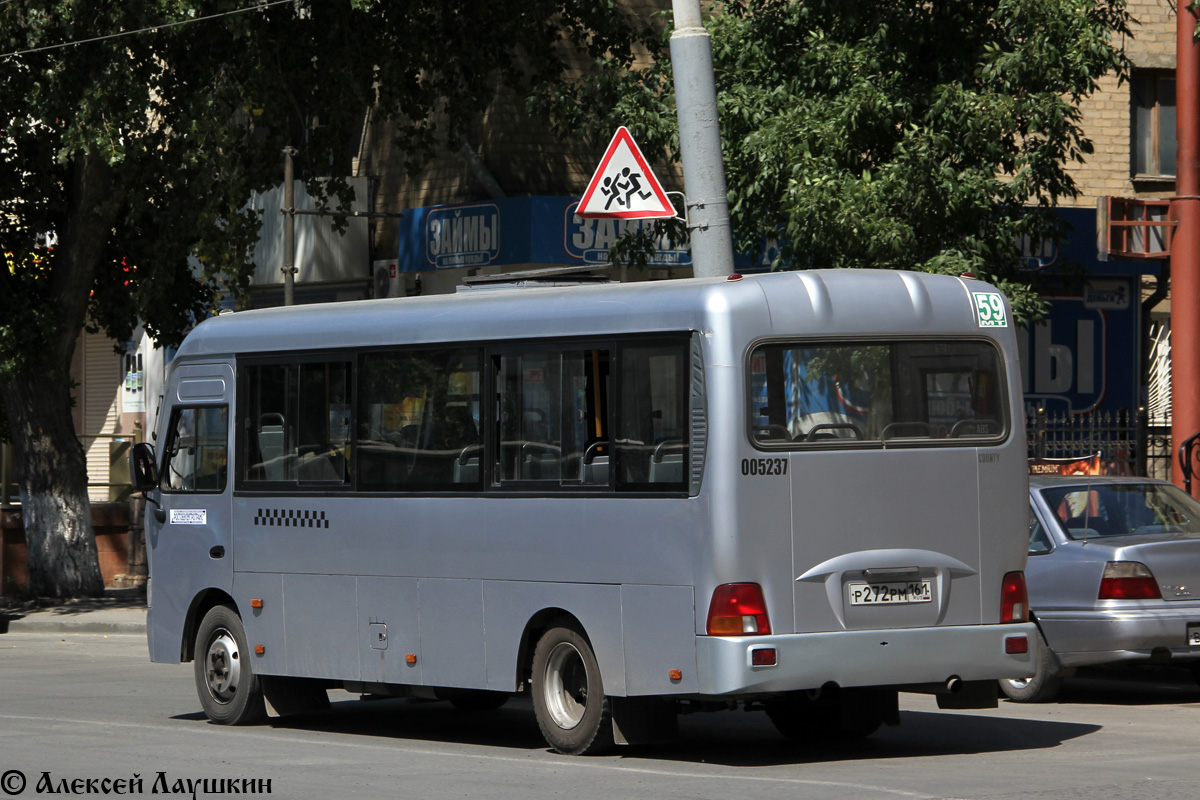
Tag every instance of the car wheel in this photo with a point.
(1044, 684)
(225, 681)
(568, 695)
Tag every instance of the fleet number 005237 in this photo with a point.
(764, 466)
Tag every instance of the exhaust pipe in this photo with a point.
(952, 685)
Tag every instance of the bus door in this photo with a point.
(192, 541)
(883, 442)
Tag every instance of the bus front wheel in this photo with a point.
(225, 681)
(568, 695)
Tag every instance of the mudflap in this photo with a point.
(643, 720)
(869, 702)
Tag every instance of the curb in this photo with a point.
(117, 613)
(46, 623)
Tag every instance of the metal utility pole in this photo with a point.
(290, 211)
(1185, 246)
(289, 227)
(700, 143)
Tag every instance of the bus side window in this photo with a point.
(270, 422)
(552, 418)
(323, 440)
(196, 457)
(297, 422)
(418, 420)
(652, 430)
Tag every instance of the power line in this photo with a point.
(257, 7)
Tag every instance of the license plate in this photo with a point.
(1193, 635)
(890, 594)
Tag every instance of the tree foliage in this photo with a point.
(188, 120)
(907, 135)
(132, 133)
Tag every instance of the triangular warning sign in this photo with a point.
(624, 185)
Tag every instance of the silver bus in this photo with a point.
(799, 492)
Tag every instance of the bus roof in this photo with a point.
(809, 302)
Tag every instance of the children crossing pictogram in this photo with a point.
(624, 186)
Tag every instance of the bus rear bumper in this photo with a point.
(899, 657)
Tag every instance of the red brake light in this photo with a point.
(1014, 599)
(738, 609)
(1128, 580)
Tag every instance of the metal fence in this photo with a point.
(117, 487)
(1126, 441)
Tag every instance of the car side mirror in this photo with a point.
(143, 473)
(143, 469)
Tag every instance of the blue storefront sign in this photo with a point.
(1085, 356)
(587, 240)
(517, 231)
(462, 236)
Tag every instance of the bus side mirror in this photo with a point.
(143, 469)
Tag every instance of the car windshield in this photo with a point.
(1099, 509)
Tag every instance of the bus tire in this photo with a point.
(1045, 683)
(568, 696)
(818, 720)
(225, 681)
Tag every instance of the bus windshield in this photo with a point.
(881, 392)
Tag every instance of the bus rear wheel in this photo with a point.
(568, 696)
(821, 718)
(225, 681)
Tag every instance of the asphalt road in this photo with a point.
(87, 706)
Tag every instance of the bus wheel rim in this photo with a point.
(566, 686)
(223, 666)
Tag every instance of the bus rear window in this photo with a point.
(887, 393)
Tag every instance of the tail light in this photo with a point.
(738, 609)
(1014, 599)
(1128, 580)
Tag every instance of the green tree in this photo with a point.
(932, 136)
(132, 133)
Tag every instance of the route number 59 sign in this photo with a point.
(989, 310)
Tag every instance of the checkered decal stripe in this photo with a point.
(290, 518)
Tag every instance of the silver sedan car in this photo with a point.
(1113, 577)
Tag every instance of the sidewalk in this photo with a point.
(119, 611)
